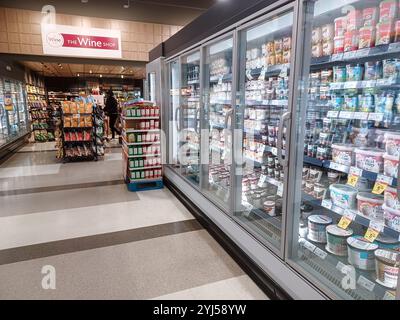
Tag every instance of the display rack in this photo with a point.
(81, 127)
(141, 149)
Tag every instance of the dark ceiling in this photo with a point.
(174, 12)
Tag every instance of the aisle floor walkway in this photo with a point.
(103, 241)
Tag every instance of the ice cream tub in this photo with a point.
(370, 205)
(369, 159)
(392, 143)
(387, 10)
(361, 253)
(390, 165)
(366, 38)
(384, 33)
(337, 240)
(269, 208)
(387, 267)
(317, 227)
(340, 26)
(343, 196)
(370, 16)
(342, 154)
(328, 32)
(390, 198)
(385, 242)
(392, 218)
(351, 40)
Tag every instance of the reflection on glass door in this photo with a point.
(175, 115)
(218, 113)
(347, 215)
(152, 86)
(190, 106)
(264, 92)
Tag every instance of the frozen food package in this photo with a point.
(67, 122)
(397, 31)
(391, 68)
(278, 46)
(81, 107)
(351, 40)
(327, 48)
(372, 70)
(366, 37)
(89, 107)
(74, 108)
(338, 44)
(287, 43)
(316, 35)
(328, 32)
(75, 122)
(271, 47)
(387, 11)
(279, 58)
(82, 121)
(316, 50)
(354, 20)
(384, 33)
(340, 26)
(66, 107)
(88, 121)
(286, 57)
(370, 16)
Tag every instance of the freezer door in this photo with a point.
(190, 107)
(175, 123)
(217, 122)
(262, 118)
(344, 204)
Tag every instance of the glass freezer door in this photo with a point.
(175, 115)
(190, 107)
(216, 181)
(264, 93)
(346, 214)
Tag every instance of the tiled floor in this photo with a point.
(104, 242)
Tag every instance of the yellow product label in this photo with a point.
(344, 222)
(371, 235)
(352, 180)
(379, 187)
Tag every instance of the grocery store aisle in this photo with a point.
(103, 241)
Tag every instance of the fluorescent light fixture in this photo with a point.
(270, 26)
(221, 46)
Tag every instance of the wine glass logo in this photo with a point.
(55, 39)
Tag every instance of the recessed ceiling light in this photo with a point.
(90, 71)
(101, 76)
(122, 76)
(78, 74)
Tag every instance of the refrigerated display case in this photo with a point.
(217, 121)
(264, 80)
(345, 204)
(299, 145)
(190, 108)
(13, 110)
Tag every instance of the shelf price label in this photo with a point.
(337, 57)
(361, 115)
(326, 203)
(389, 296)
(373, 231)
(367, 284)
(332, 114)
(381, 184)
(262, 74)
(363, 53)
(279, 192)
(354, 175)
(351, 85)
(374, 116)
(346, 114)
(350, 55)
(338, 167)
(262, 180)
(346, 219)
(320, 253)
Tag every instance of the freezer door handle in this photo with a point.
(227, 116)
(284, 118)
(177, 111)
(196, 122)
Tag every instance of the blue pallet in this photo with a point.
(144, 186)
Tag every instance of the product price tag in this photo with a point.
(394, 46)
(309, 246)
(363, 53)
(374, 116)
(337, 209)
(336, 85)
(320, 253)
(371, 235)
(344, 222)
(346, 115)
(367, 284)
(349, 55)
(262, 74)
(378, 226)
(274, 151)
(262, 180)
(389, 296)
(279, 192)
(361, 115)
(261, 150)
(384, 82)
(350, 85)
(332, 114)
(338, 167)
(381, 183)
(326, 203)
(337, 57)
(368, 84)
(284, 71)
(354, 175)
(247, 208)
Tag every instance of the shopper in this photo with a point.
(112, 112)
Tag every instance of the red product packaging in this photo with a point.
(351, 40)
(370, 16)
(354, 20)
(397, 31)
(366, 37)
(384, 33)
(338, 44)
(340, 26)
(388, 11)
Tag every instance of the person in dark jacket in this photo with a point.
(111, 110)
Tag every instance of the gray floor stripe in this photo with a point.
(96, 241)
(58, 188)
(36, 151)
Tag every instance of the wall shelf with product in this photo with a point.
(141, 150)
(305, 165)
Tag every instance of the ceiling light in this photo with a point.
(84, 1)
(101, 76)
(78, 74)
(90, 71)
(122, 76)
(127, 5)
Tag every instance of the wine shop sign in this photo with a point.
(63, 40)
